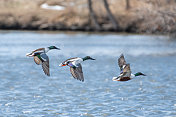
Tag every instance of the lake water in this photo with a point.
(26, 92)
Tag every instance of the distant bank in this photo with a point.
(145, 16)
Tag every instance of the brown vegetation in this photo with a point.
(143, 16)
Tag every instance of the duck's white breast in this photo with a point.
(132, 76)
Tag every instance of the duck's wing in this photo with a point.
(45, 63)
(70, 59)
(121, 62)
(68, 62)
(77, 72)
(38, 50)
(126, 71)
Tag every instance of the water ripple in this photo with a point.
(26, 91)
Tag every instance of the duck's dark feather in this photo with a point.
(77, 72)
(70, 59)
(124, 79)
(121, 62)
(39, 49)
(45, 63)
(126, 71)
(45, 66)
(42, 58)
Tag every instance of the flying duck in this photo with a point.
(40, 58)
(75, 66)
(42, 50)
(125, 74)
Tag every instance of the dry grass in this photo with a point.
(148, 16)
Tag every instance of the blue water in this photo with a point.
(26, 92)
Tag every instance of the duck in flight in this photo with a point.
(125, 74)
(75, 66)
(40, 58)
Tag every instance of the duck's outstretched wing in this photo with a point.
(45, 63)
(77, 72)
(121, 62)
(68, 62)
(38, 50)
(126, 71)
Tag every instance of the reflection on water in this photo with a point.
(26, 91)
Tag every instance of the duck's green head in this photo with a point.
(139, 74)
(87, 58)
(53, 47)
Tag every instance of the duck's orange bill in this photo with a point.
(64, 65)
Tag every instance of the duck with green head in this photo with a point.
(75, 66)
(40, 57)
(42, 50)
(125, 74)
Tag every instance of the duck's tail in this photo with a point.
(29, 54)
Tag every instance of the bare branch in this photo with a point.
(93, 16)
(111, 17)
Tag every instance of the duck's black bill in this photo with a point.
(93, 59)
(143, 74)
(54, 47)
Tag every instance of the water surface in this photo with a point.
(26, 91)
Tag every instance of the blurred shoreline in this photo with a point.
(144, 16)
